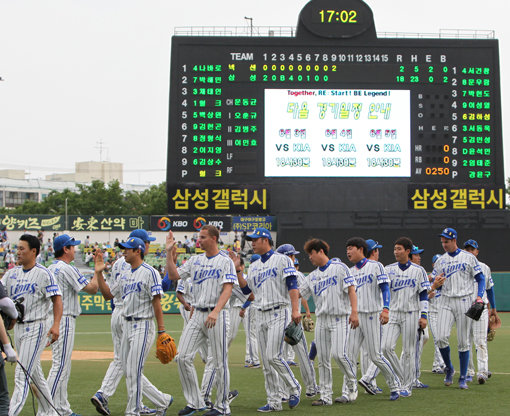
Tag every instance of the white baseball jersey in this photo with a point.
(407, 281)
(368, 275)
(70, 281)
(36, 285)
(185, 287)
(119, 267)
(459, 269)
(328, 285)
(238, 297)
(208, 274)
(489, 283)
(137, 287)
(267, 280)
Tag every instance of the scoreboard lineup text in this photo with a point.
(272, 110)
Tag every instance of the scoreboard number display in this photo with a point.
(335, 104)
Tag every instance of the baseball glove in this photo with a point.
(8, 321)
(308, 324)
(494, 322)
(491, 335)
(293, 333)
(166, 350)
(475, 311)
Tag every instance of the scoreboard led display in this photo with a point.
(334, 103)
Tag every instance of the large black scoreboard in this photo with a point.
(334, 116)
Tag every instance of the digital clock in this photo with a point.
(338, 16)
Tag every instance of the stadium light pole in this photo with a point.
(251, 24)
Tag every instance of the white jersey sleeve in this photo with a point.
(70, 282)
(369, 274)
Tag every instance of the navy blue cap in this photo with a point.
(436, 256)
(133, 242)
(254, 257)
(449, 233)
(259, 233)
(64, 241)
(372, 245)
(287, 249)
(417, 250)
(142, 235)
(471, 243)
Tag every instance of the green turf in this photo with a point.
(493, 398)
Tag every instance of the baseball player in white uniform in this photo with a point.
(434, 299)
(250, 310)
(213, 275)
(334, 292)
(141, 290)
(70, 282)
(461, 269)
(409, 286)
(479, 328)
(273, 281)
(301, 349)
(373, 293)
(37, 285)
(116, 368)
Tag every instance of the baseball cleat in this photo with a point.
(405, 393)
(437, 370)
(215, 412)
(187, 411)
(255, 365)
(267, 408)
(419, 385)
(313, 351)
(469, 379)
(145, 410)
(100, 403)
(293, 401)
(394, 395)
(208, 404)
(489, 374)
(482, 379)
(232, 395)
(378, 390)
(162, 412)
(462, 384)
(291, 363)
(320, 402)
(448, 380)
(367, 386)
(342, 399)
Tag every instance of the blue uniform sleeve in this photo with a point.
(424, 295)
(492, 298)
(291, 282)
(385, 290)
(166, 283)
(246, 290)
(480, 278)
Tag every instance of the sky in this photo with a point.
(89, 79)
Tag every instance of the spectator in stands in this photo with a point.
(237, 245)
(116, 243)
(86, 243)
(158, 253)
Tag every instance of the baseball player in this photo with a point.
(373, 293)
(301, 349)
(70, 282)
(37, 285)
(334, 292)
(409, 286)
(213, 275)
(434, 298)
(479, 328)
(250, 309)
(116, 368)
(7, 307)
(273, 281)
(460, 269)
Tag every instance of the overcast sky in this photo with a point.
(77, 72)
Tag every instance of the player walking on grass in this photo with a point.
(461, 269)
(141, 290)
(70, 282)
(213, 275)
(37, 285)
(273, 281)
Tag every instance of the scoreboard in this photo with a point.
(335, 106)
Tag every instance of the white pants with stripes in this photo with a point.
(277, 373)
(438, 359)
(30, 340)
(306, 366)
(422, 341)
(137, 342)
(250, 328)
(60, 371)
(195, 336)
(185, 316)
(453, 310)
(369, 333)
(332, 337)
(479, 338)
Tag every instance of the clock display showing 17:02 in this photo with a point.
(338, 16)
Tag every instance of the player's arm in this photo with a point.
(424, 309)
(158, 313)
(353, 318)
(171, 257)
(305, 306)
(238, 264)
(180, 296)
(58, 308)
(246, 305)
(6, 344)
(99, 267)
(384, 317)
(226, 292)
(92, 286)
(480, 279)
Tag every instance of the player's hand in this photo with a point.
(99, 265)
(354, 320)
(308, 315)
(235, 258)
(211, 319)
(191, 312)
(187, 306)
(10, 354)
(438, 282)
(170, 242)
(422, 323)
(384, 317)
(296, 316)
(53, 334)
(242, 313)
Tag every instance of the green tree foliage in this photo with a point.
(99, 198)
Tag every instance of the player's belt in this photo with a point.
(270, 309)
(132, 318)
(204, 309)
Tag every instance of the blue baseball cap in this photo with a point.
(436, 256)
(142, 235)
(471, 243)
(287, 249)
(449, 233)
(133, 242)
(64, 241)
(417, 250)
(259, 233)
(254, 257)
(372, 245)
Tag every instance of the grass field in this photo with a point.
(93, 334)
